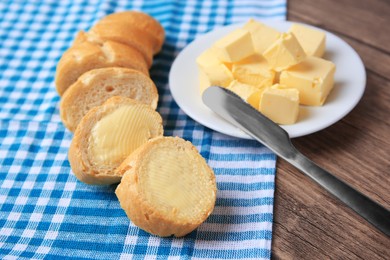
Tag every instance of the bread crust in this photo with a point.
(141, 212)
(94, 87)
(87, 55)
(128, 35)
(140, 20)
(83, 166)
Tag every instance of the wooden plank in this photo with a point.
(372, 115)
(366, 21)
(352, 159)
(309, 223)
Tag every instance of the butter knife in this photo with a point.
(233, 109)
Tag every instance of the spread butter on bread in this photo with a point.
(167, 187)
(94, 87)
(107, 134)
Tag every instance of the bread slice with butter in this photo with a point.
(92, 53)
(107, 134)
(167, 187)
(94, 87)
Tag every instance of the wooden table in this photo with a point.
(309, 223)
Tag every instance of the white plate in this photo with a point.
(350, 82)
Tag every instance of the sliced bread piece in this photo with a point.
(139, 20)
(129, 35)
(94, 87)
(167, 187)
(107, 134)
(90, 54)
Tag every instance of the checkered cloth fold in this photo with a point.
(45, 212)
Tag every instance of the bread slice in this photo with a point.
(107, 134)
(129, 35)
(139, 20)
(167, 187)
(90, 54)
(94, 87)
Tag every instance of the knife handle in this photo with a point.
(364, 206)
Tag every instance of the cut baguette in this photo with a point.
(167, 187)
(139, 20)
(90, 54)
(107, 134)
(129, 35)
(94, 87)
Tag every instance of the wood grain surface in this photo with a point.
(309, 223)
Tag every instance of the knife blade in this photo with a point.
(239, 113)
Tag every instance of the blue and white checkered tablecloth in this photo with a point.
(45, 212)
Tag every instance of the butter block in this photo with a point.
(284, 52)
(249, 93)
(254, 71)
(311, 40)
(215, 75)
(313, 77)
(207, 58)
(262, 35)
(235, 46)
(280, 104)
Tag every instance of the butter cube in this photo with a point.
(254, 71)
(247, 92)
(263, 36)
(284, 52)
(311, 40)
(235, 46)
(215, 75)
(212, 71)
(313, 77)
(281, 105)
(207, 58)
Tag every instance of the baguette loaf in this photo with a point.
(167, 187)
(107, 134)
(94, 87)
(90, 54)
(135, 19)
